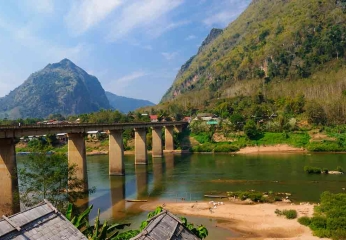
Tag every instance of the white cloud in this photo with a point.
(131, 77)
(119, 85)
(85, 14)
(169, 56)
(149, 16)
(190, 37)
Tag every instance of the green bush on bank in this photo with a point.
(306, 221)
(289, 214)
(215, 147)
(325, 146)
(312, 170)
(330, 217)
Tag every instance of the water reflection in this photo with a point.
(142, 181)
(117, 197)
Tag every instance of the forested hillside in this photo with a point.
(277, 51)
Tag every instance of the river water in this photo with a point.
(189, 177)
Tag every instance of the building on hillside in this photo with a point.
(93, 134)
(154, 118)
(187, 119)
(62, 137)
(165, 226)
(42, 221)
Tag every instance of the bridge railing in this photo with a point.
(44, 125)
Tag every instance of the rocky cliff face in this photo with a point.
(58, 88)
(214, 33)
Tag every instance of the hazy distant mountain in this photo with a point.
(125, 104)
(58, 88)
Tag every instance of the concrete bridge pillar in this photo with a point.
(179, 128)
(77, 156)
(157, 142)
(9, 194)
(169, 144)
(116, 153)
(141, 156)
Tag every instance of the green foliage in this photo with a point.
(199, 231)
(289, 214)
(96, 232)
(253, 195)
(330, 217)
(315, 113)
(49, 177)
(325, 146)
(225, 148)
(250, 129)
(306, 221)
(312, 170)
(339, 169)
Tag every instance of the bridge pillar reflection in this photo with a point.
(77, 156)
(141, 156)
(169, 143)
(9, 194)
(157, 142)
(118, 197)
(142, 181)
(116, 153)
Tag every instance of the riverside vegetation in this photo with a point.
(329, 219)
(234, 130)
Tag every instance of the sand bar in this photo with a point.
(280, 148)
(256, 221)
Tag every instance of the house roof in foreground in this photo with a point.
(165, 226)
(40, 222)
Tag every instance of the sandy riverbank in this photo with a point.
(280, 148)
(252, 221)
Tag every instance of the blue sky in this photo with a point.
(134, 47)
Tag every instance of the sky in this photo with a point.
(134, 47)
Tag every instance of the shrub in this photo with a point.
(290, 214)
(304, 221)
(325, 146)
(250, 129)
(226, 148)
(325, 170)
(318, 223)
(339, 169)
(312, 170)
(206, 147)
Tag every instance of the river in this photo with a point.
(189, 177)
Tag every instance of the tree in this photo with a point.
(251, 130)
(315, 113)
(49, 177)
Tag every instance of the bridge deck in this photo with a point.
(10, 131)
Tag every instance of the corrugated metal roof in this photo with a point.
(40, 222)
(165, 226)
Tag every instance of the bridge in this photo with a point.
(77, 151)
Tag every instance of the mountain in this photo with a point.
(58, 88)
(281, 48)
(125, 104)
